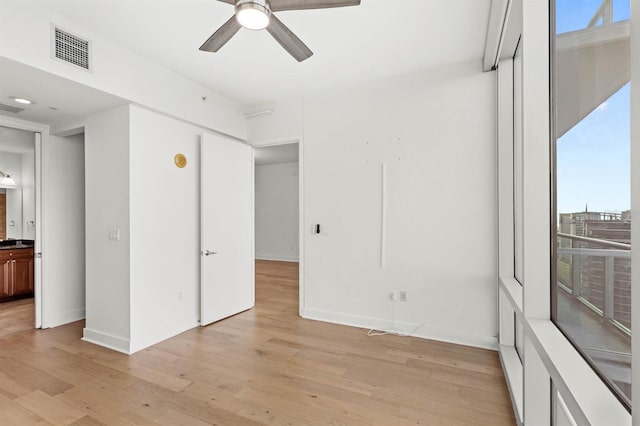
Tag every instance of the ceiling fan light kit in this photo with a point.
(253, 14)
(257, 15)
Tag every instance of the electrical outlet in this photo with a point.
(403, 295)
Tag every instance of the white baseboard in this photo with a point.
(107, 340)
(151, 337)
(444, 334)
(277, 258)
(132, 345)
(64, 318)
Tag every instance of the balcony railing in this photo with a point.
(604, 15)
(597, 273)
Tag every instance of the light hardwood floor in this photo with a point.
(17, 316)
(264, 366)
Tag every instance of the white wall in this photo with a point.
(107, 170)
(141, 81)
(435, 131)
(276, 215)
(146, 287)
(282, 123)
(65, 258)
(11, 164)
(29, 196)
(165, 228)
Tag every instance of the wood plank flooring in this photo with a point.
(17, 316)
(264, 366)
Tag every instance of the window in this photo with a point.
(591, 290)
(518, 182)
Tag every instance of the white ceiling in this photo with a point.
(72, 100)
(375, 40)
(276, 154)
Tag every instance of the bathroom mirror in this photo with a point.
(13, 219)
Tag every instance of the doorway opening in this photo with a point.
(18, 305)
(47, 196)
(277, 224)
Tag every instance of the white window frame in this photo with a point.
(550, 361)
(510, 290)
(635, 210)
(518, 165)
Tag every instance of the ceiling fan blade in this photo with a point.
(221, 36)
(228, 1)
(288, 40)
(280, 5)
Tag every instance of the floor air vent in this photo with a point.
(71, 49)
(10, 108)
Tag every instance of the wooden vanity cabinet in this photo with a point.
(16, 273)
(6, 276)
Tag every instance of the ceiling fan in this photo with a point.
(257, 15)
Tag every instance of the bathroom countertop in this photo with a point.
(15, 244)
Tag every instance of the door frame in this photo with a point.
(301, 227)
(41, 242)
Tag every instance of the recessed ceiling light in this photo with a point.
(23, 101)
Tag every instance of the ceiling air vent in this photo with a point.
(10, 108)
(71, 49)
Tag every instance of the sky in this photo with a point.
(593, 158)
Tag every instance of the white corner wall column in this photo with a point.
(108, 289)
(550, 383)
(131, 303)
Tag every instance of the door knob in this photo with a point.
(209, 253)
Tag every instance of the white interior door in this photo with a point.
(227, 237)
(37, 249)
